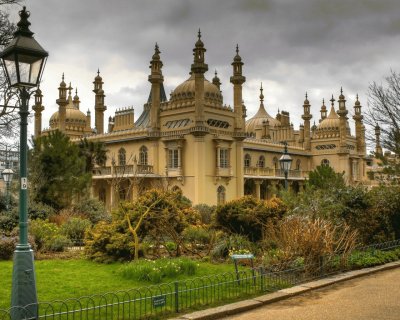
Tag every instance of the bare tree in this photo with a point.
(384, 110)
(9, 100)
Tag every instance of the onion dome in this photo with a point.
(216, 81)
(62, 83)
(199, 43)
(341, 97)
(261, 117)
(98, 78)
(332, 121)
(184, 94)
(237, 58)
(306, 100)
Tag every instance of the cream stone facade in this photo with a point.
(194, 142)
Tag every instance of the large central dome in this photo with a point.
(184, 94)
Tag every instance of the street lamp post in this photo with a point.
(23, 61)
(285, 162)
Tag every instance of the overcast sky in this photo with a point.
(291, 46)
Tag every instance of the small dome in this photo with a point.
(73, 117)
(260, 117)
(185, 93)
(331, 122)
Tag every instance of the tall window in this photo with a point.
(275, 162)
(173, 158)
(261, 162)
(122, 157)
(143, 158)
(325, 162)
(298, 164)
(221, 195)
(224, 158)
(247, 160)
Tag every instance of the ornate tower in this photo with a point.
(378, 148)
(307, 117)
(76, 102)
(216, 80)
(99, 103)
(323, 111)
(198, 68)
(359, 128)
(237, 80)
(342, 112)
(156, 79)
(38, 108)
(62, 102)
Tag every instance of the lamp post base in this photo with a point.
(23, 294)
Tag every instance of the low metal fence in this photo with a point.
(159, 301)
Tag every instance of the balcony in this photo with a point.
(123, 171)
(271, 172)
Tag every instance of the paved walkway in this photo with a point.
(373, 297)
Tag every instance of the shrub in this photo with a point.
(226, 244)
(8, 220)
(206, 212)
(43, 232)
(38, 210)
(197, 235)
(7, 247)
(93, 210)
(74, 229)
(57, 243)
(249, 216)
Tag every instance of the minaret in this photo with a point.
(378, 148)
(237, 80)
(342, 113)
(323, 111)
(62, 102)
(156, 79)
(38, 108)
(99, 107)
(307, 117)
(216, 80)
(198, 68)
(76, 102)
(359, 127)
(88, 120)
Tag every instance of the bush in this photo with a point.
(249, 216)
(7, 247)
(8, 220)
(43, 232)
(74, 229)
(57, 243)
(206, 212)
(197, 235)
(38, 210)
(93, 210)
(226, 244)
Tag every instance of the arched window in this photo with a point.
(275, 163)
(247, 160)
(121, 157)
(221, 195)
(325, 162)
(261, 162)
(298, 164)
(143, 158)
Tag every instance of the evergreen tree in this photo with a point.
(324, 177)
(58, 175)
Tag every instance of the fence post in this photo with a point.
(176, 296)
(262, 278)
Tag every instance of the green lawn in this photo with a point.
(62, 279)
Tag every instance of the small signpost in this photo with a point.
(237, 257)
(159, 301)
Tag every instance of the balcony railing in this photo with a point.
(120, 171)
(271, 172)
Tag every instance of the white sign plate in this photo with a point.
(24, 183)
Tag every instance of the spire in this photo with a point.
(76, 99)
(261, 95)
(198, 65)
(62, 83)
(306, 100)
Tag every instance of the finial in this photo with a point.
(357, 96)
(261, 94)
(98, 71)
(76, 91)
(23, 24)
(215, 73)
(323, 101)
(341, 90)
(237, 49)
(156, 49)
(69, 88)
(62, 78)
(199, 34)
(306, 95)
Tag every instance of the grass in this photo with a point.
(63, 279)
